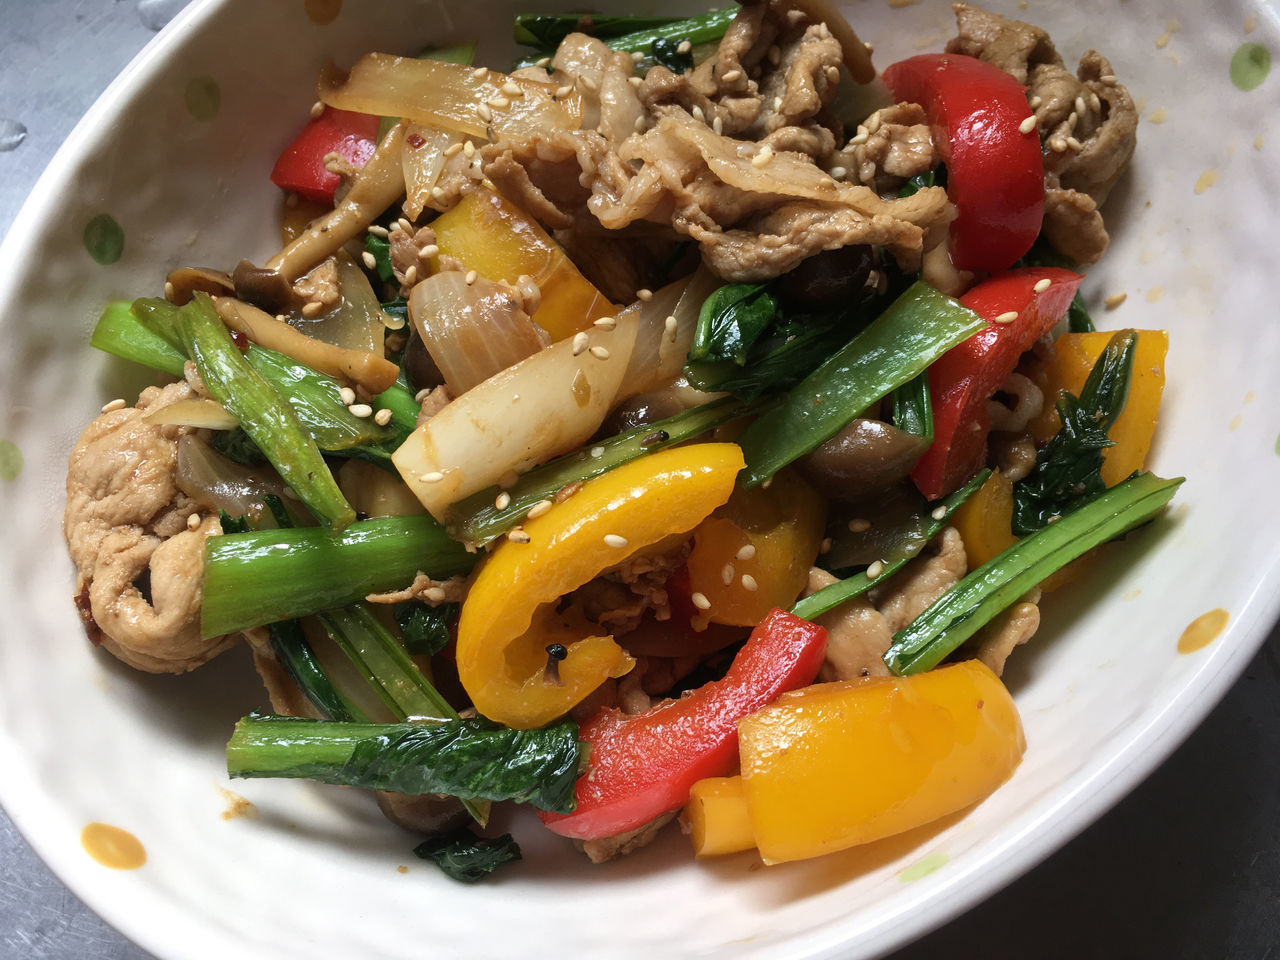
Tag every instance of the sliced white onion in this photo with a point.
(195, 412)
(472, 330)
(423, 158)
(376, 492)
(661, 349)
(217, 483)
(357, 321)
(543, 406)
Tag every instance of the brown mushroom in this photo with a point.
(865, 456)
(263, 288)
(185, 281)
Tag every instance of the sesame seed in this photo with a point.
(938, 512)
(671, 325)
(600, 353)
(746, 553)
(698, 114)
(1079, 105)
(1115, 300)
(422, 395)
(1072, 119)
(1108, 79)
(312, 309)
(1074, 144)
(832, 72)
(471, 277)
(825, 546)
(369, 259)
(635, 81)
(1034, 103)
(777, 103)
(717, 126)
(512, 89)
(683, 47)
(562, 92)
(435, 476)
(749, 583)
(499, 102)
(1042, 285)
(348, 396)
(589, 84)
(411, 275)
(539, 508)
(480, 72)
(317, 108)
(639, 124)
(869, 46)
(875, 570)
(382, 417)
(637, 56)
(1027, 125)
(405, 225)
(838, 173)
(700, 600)
(360, 410)
(517, 535)
(605, 323)
(615, 541)
(767, 484)
(429, 251)
(502, 501)
(1007, 317)
(484, 113)
(580, 343)
(378, 231)
(727, 574)
(763, 157)
(597, 452)
(731, 76)
(193, 521)
(645, 294)
(437, 193)
(453, 150)
(1094, 103)
(1057, 145)
(859, 525)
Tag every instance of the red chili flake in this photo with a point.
(240, 340)
(414, 140)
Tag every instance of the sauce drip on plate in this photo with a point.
(113, 847)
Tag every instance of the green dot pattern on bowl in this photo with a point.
(1250, 65)
(1278, 446)
(922, 868)
(203, 97)
(10, 460)
(104, 239)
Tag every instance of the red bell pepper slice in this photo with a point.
(963, 378)
(995, 175)
(300, 168)
(644, 765)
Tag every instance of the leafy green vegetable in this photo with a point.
(1068, 470)
(236, 445)
(974, 601)
(425, 628)
(917, 183)
(480, 521)
(913, 407)
(120, 333)
(731, 320)
(473, 758)
(655, 41)
(1078, 318)
(818, 603)
(380, 249)
(263, 576)
(546, 30)
(465, 857)
(1043, 254)
(896, 347)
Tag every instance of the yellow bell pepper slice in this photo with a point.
(839, 764)
(770, 536)
(509, 615)
(985, 520)
(1074, 355)
(500, 241)
(718, 819)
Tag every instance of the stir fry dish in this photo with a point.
(685, 422)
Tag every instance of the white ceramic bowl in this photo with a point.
(1104, 693)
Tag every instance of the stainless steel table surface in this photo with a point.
(1188, 866)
